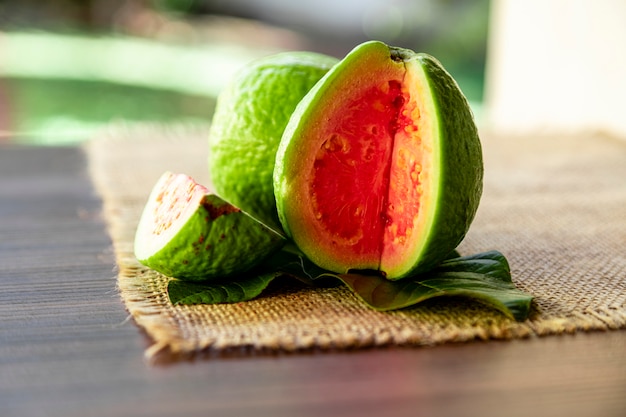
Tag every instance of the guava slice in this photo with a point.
(380, 166)
(189, 233)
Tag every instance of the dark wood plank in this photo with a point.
(67, 348)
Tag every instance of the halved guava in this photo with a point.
(188, 233)
(380, 166)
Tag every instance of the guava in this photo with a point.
(380, 165)
(250, 116)
(189, 233)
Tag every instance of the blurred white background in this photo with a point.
(557, 66)
(67, 67)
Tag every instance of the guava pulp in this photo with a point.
(366, 185)
(173, 201)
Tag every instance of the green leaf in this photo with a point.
(485, 277)
(288, 261)
(292, 262)
(222, 291)
(492, 263)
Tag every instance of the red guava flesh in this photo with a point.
(366, 183)
(178, 196)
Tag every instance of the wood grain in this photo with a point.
(67, 348)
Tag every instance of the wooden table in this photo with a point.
(68, 349)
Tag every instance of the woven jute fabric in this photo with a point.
(554, 206)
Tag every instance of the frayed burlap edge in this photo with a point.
(125, 161)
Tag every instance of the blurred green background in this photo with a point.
(71, 67)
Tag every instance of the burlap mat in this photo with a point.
(555, 206)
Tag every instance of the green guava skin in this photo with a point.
(453, 154)
(216, 241)
(461, 168)
(251, 114)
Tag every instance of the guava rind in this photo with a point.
(456, 164)
(250, 116)
(461, 170)
(215, 240)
